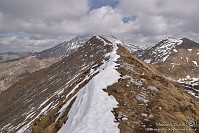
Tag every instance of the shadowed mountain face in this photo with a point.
(101, 87)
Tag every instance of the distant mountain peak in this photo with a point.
(65, 48)
(169, 37)
(172, 40)
(161, 51)
(177, 59)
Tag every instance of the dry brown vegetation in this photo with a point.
(169, 105)
(13, 71)
(29, 93)
(179, 64)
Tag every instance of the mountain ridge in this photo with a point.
(19, 68)
(49, 103)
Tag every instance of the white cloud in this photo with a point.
(164, 17)
(105, 20)
(51, 9)
(52, 20)
(19, 43)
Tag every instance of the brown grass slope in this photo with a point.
(181, 63)
(167, 104)
(28, 94)
(13, 71)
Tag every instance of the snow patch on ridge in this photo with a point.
(195, 63)
(101, 39)
(189, 50)
(130, 47)
(147, 61)
(91, 111)
(189, 80)
(174, 50)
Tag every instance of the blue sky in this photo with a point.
(27, 25)
(94, 4)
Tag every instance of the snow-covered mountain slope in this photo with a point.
(99, 88)
(161, 51)
(177, 59)
(64, 49)
(94, 105)
(191, 85)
